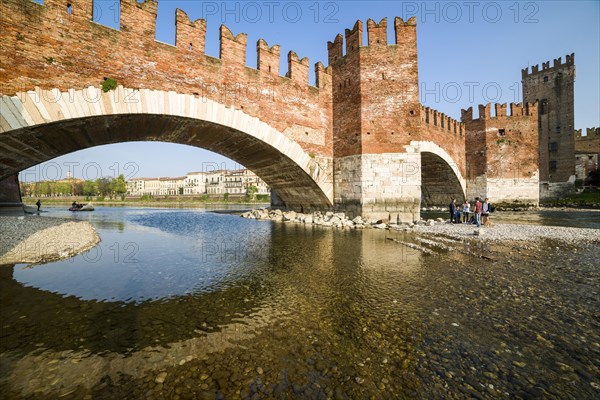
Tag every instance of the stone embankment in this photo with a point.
(37, 239)
(438, 227)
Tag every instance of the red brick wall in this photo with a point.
(512, 154)
(375, 90)
(43, 45)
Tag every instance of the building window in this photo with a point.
(544, 106)
(501, 132)
(545, 79)
(558, 129)
(553, 146)
(552, 166)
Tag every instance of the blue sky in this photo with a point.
(470, 52)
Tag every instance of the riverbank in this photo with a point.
(35, 239)
(175, 201)
(497, 232)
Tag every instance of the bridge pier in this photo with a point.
(10, 196)
(379, 186)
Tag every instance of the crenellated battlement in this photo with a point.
(377, 32)
(137, 32)
(591, 134)
(297, 68)
(441, 121)
(189, 35)
(405, 34)
(546, 68)
(354, 37)
(267, 58)
(516, 110)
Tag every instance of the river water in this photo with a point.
(189, 304)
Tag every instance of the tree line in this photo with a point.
(105, 186)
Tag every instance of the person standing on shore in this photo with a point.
(478, 210)
(485, 211)
(38, 204)
(452, 210)
(466, 209)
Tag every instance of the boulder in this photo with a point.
(289, 215)
(380, 226)
(358, 220)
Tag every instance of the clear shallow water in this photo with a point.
(178, 303)
(155, 254)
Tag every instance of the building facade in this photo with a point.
(217, 182)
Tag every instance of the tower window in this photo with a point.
(69, 9)
(553, 146)
(552, 166)
(545, 79)
(501, 132)
(544, 108)
(558, 129)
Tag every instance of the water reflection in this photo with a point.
(221, 307)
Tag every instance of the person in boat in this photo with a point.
(74, 204)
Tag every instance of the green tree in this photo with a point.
(90, 188)
(251, 192)
(77, 188)
(42, 188)
(103, 186)
(118, 186)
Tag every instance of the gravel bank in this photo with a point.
(37, 239)
(516, 232)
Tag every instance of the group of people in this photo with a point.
(463, 214)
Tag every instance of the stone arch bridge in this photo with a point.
(358, 140)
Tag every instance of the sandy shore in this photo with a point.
(35, 239)
(516, 232)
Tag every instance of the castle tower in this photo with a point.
(498, 154)
(553, 89)
(375, 110)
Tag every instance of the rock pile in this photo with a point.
(330, 218)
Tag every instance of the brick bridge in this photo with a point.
(358, 141)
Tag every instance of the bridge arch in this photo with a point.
(441, 177)
(37, 126)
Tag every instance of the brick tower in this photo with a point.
(553, 88)
(376, 109)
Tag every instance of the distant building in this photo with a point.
(217, 182)
(587, 152)
(155, 186)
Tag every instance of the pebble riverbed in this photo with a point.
(431, 311)
(36, 239)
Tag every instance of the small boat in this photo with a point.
(85, 207)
